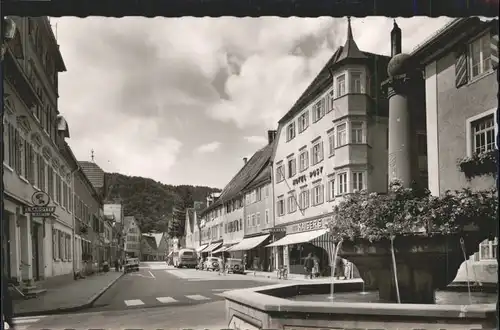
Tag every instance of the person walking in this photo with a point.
(308, 265)
(8, 312)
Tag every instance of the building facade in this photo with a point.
(461, 67)
(132, 237)
(32, 157)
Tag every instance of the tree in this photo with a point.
(177, 226)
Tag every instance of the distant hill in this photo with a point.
(150, 201)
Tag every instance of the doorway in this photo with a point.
(6, 240)
(35, 250)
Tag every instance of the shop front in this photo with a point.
(304, 238)
(222, 251)
(252, 250)
(210, 248)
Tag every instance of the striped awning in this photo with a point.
(249, 243)
(212, 247)
(223, 248)
(298, 238)
(201, 248)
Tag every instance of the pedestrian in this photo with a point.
(316, 266)
(308, 265)
(116, 265)
(244, 262)
(8, 312)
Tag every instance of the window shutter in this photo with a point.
(461, 67)
(494, 47)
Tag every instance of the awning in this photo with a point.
(212, 247)
(299, 238)
(223, 248)
(249, 243)
(201, 248)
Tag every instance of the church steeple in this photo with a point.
(395, 40)
(350, 49)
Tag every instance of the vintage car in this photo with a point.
(212, 263)
(131, 264)
(234, 266)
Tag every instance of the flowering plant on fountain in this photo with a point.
(412, 211)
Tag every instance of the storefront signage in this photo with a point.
(40, 211)
(312, 174)
(315, 224)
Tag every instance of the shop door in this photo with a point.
(35, 251)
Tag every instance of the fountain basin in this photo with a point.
(277, 307)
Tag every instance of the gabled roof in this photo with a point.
(94, 173)
(263, 177)
(244, 177)
(350, 49)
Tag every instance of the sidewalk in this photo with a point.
(291, 277)
(71, 296)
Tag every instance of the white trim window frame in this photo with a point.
(319, 109)
(318, 194)
(317, 153)
(280, 205)
(331, 99)
(303, 160)
(303, 121)
(290, 131)
(358, 132)
(304, 198)
(340, 84)
(331, 142)
(358, 181)
(280, 172)
(331, 187)
(342, 135)
(291, 202)
(479, 56)
(356, 82)
(470, 135)
(342, 184)
(291, 164)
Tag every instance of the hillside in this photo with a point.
(150, 201)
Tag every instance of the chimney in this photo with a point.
(271, 135)
(245, 160)
(395, 40)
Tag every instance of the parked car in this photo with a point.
(131, 264)
(234, 266)
(186, 258)
(212, 263)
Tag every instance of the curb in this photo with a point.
(76, 308)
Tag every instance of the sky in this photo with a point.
(183, 100)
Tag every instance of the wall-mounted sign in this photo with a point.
(316, 224)
(303, 178)
(40, 211)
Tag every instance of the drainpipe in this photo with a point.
(73, 244)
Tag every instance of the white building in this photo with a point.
(133, 237)
(332, 142)
(33, 133)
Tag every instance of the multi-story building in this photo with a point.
(225, 219)
(39, 247)
(461, 67)
(133, 237)
(96, 176)
(332, 142)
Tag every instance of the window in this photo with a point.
(341, 135)
(258, 194)
(70, 200)
(319, 110)
(65, 195)
(480, 56)
(303, 160)
(317, 153)
(357, 132)
(318, 194)
(329, 106)
(355, 82)
(292, 167)
(483, 134)
(58, 189)
(55, 244)
(258, 218)
(241, 224)
(303, 121)
(267, 216)
(280, 173)
(280, 206)
(29, 162)
(342, 183)
(358, 181)
(331, 142)
(331, 188)
(248, 220)
(488, 250)
(292, 203)
(290, 131)
(304, 199)
(41, 172)
(341, 85)
(253, 220)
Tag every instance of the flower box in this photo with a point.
(485, 163)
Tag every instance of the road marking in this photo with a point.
(142, 275)
(197, 297)
(25, 320)
(220, 294)
(134, 302)
(152, 275)
(166, 300)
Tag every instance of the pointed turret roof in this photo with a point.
(350, 49)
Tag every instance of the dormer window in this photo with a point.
(480, 56)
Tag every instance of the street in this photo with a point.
(182, 297)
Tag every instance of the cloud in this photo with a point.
(208, 148)
(145, 92)
(256, 139)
